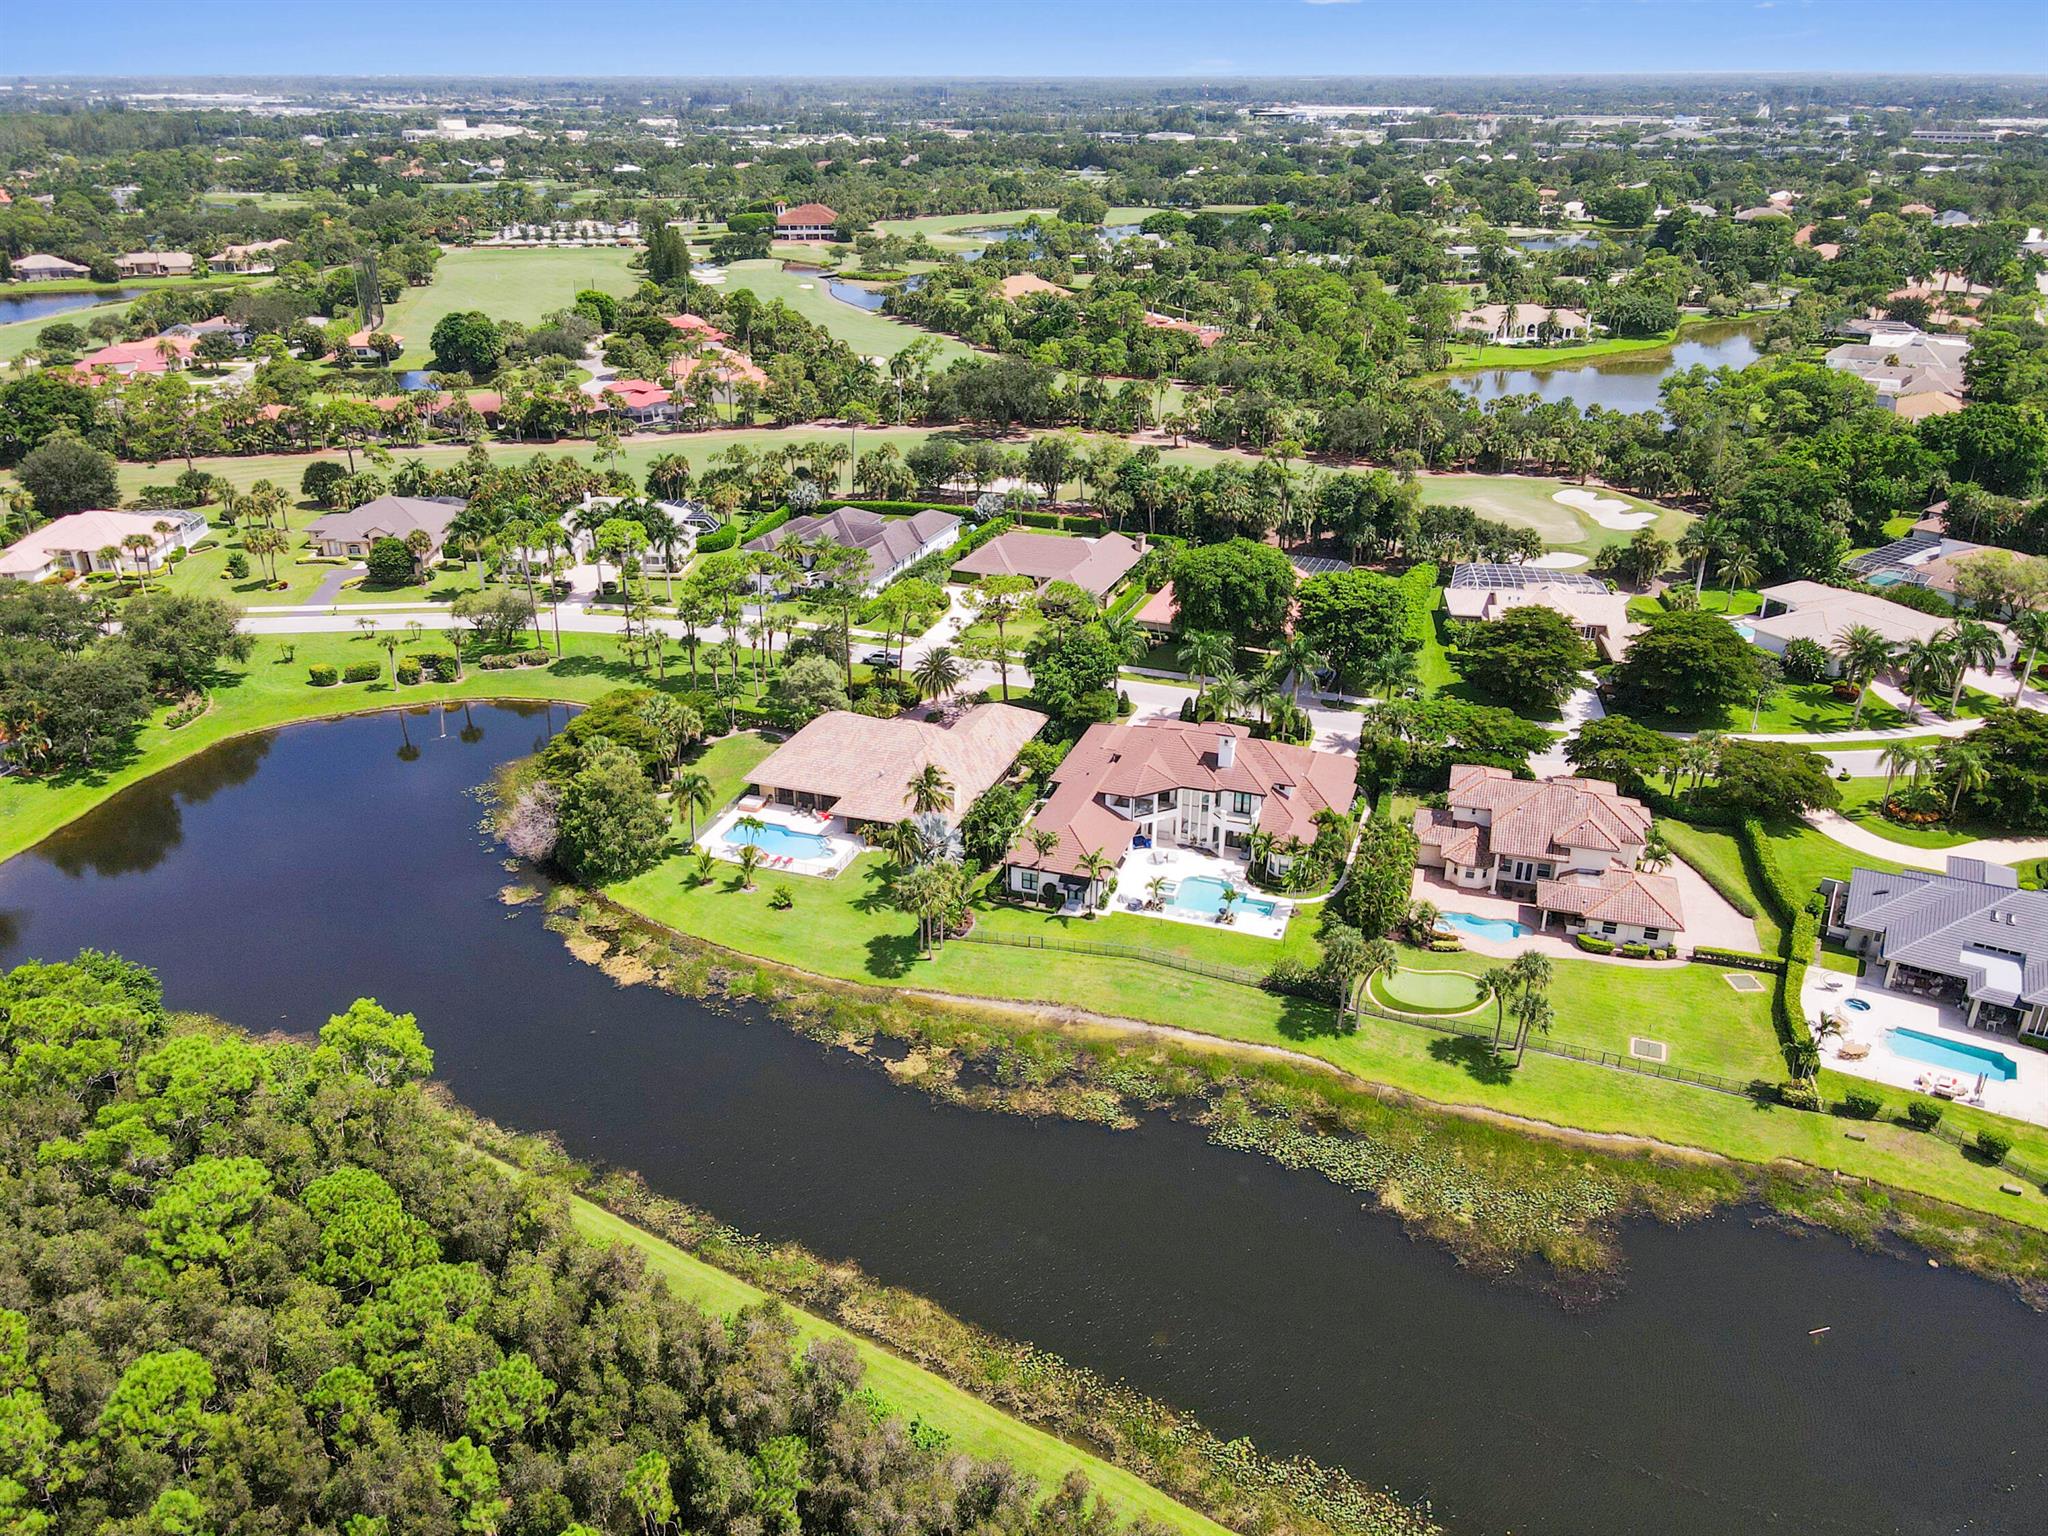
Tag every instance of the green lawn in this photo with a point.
(1806, 855)
(1420, 990)
(17, 336)
(1711, 600)
(1529, 501)
(869, 333)
(506, 285)
(971, 1425)
(205, 571)
(1862, 802)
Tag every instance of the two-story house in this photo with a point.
(1568, 847)
(1174, 782)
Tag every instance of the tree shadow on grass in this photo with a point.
(1304, 1018)
(1475, 1056)
(891, 955)
(597, 666)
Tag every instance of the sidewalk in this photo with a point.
(1996, 850)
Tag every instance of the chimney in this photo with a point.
(1226, 752)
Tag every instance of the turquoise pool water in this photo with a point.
(774, 839)
(1483, 927)
(1953, 1056)
(1857, 1005)
(1204, 894)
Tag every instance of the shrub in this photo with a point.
(1740, 959)
(321, 675)
(1861, 1104)
(1993, 1146)
(535, 658)
(1799, 1094)
(1805, 661)
(361, 672)
(497, 662)
(1636, 951)
(442, 666)
(781, 899)
(238, 566)
(1593, 944)
(408, 670)
(1923, 1115)
(389, 563)
(717, 539)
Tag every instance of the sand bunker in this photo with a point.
(1605, 510)
(1558, 560)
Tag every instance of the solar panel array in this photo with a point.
(1896, 553)
(1519, 578)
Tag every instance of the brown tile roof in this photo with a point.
(1145, 758)
(1094, 565)
(864, 765)
(805, 215)
(1541, 819)
(1159, 608)
(1461, 842)
(1616, 896)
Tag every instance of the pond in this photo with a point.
(275, 878)
(1616, 383)
(18, 304)
(870, 299)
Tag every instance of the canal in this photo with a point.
(275, 878)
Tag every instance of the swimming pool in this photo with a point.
(1497, 928)
(1952, 1055)
(1856, 1004)
(1747, 631)
(1204, 894)
(776, 839)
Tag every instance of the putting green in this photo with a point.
(1409, 991)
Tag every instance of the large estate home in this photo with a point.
(859, 769)
(1175, 782)
(1568, 847)
(806, 221)
(345, 534)
(1523, 324)
(154, 264)
(1812, 610)
(48, 269)
(83, 542)
(1093, 565)
(1481, 593)
(1925, 557)
(1970, 936)
(891, 544)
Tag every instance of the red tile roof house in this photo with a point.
(1174, 782)
(360, 349)
(640, 402)
(146, 356)
(1093, 565)
(1568, 847)
(806, 221)
(696, 325)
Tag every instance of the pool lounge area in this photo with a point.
(1924, 1043)
(1191, 888)
(791, 841)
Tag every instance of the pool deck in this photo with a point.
(844, 846)
(1142, 865)
(1709, 919)
(2023, 1098)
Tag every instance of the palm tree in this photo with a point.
(1863, 653)
(929, 790)
(1973, 644)
(1532, 1012)
(1499, 985)
(1902, 757)
(938, 672)
(1967, 767)
(1044, 842)
(138, 546)
(1155, 892)
(2029, 632)
(1739, 568)
(750, 860)
(899, 839)
(1203, 653)
(1096, 865)
(693, 793)
(1422, 918)
(1926, 666)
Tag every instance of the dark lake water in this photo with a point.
(1618, 383)
(25, 304)
(853, 293)
(274, 879)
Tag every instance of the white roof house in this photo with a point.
(73, 543)
(1480, 593)
(1810, 610)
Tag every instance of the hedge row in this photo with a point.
(1740, 959)
(1061, 522)
(718, 539)
(1785, 898)
(899, 506)
(765, 524)
(1786, 1012)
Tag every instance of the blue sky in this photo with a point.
(1021, 37)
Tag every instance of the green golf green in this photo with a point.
(1409, 991)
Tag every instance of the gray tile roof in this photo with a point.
(1973, 923)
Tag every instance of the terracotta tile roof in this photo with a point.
(1094, 565)
(1018, 284)
(697, 325)
(1155, 755)
(1461, 842)
(1159, 608)
(864, 765)
(137, 356)
(1616, 896)
(805, 215)
(1546, 818)
(737, 366)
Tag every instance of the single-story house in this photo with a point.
(155, 264)
(255, 256)
(153, 354)
(1481, 593)
(720, 363)
(891, 544)
(48, 269)
(1156, 614)
(1970, 934)
(1567, 846)
(217, 325)
(345, 534)
(1093, 565)
(1204, 786)
(360, 349)
(698, 326)
(1019, 285)
(75, 543)
(1914, 373)
(806, 221)
(1810, 610)
(859, 768)
(1923, 558)
(1206, 336)
(1519, 324)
